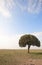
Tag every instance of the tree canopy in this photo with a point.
(29, 40)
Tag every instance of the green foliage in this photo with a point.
(29, 40)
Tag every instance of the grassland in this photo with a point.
(18, 57)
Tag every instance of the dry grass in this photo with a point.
(19, 57)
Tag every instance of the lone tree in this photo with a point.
(28, 40)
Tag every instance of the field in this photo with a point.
(20, 57)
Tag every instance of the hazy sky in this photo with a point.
(19, 17)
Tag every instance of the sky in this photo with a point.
(19, 17)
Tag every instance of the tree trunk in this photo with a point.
(28, 48)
